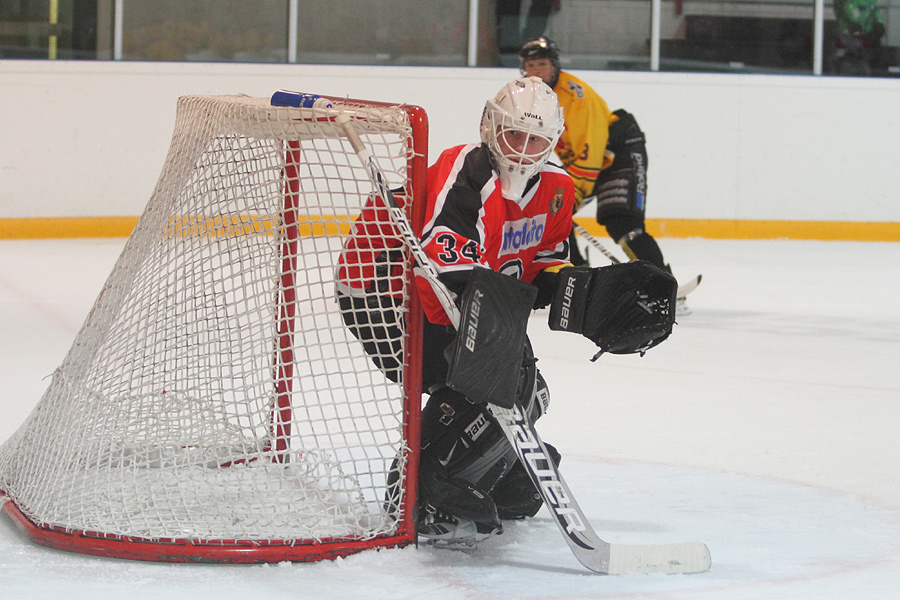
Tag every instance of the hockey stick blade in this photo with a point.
(668, 559)
(688, 286)
(591, 551)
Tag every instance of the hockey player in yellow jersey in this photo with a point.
(604, 153)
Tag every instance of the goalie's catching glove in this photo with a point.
(623, 308)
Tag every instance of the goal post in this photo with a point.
(214, 406)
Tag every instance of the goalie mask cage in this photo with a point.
(214, 407)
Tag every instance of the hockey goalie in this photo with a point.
(497, 227)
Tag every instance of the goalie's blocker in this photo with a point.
(486, 356)
(623, 308)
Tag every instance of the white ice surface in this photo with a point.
(767, 426)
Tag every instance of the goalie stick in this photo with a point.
(595, 243)
(683, 290)
(689, 286)
(594, 553)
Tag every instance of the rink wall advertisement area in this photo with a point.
(732, 156)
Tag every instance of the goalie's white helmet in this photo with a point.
(521, 126)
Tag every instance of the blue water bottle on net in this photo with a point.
(299, 100)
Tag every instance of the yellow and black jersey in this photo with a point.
(582, 146)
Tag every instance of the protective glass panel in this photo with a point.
(407, 32)
(205, 30)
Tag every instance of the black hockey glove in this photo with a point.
(623, 308)
(486, 357)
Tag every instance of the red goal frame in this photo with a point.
(254, 551)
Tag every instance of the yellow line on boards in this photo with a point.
(66, 227)
(197, 225)
(728, 229)
(110, 227)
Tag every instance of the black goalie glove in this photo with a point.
(623, 308)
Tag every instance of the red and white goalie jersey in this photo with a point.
(468, 224)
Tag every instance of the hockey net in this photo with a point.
(214, 407)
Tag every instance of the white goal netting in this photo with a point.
(214, 392)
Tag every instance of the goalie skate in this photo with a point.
(442, 530)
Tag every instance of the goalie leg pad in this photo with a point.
(464, 454)
(373, 321)
(486, 357)
(464, 439)
(439, 491)
(376, 321)
(532, 392)
(464, 451)
(515, 495)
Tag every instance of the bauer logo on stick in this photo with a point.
(530, 450)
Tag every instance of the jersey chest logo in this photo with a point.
(557, 202)
(522, 234)
(576, 89)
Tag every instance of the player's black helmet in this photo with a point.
(542, 47)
